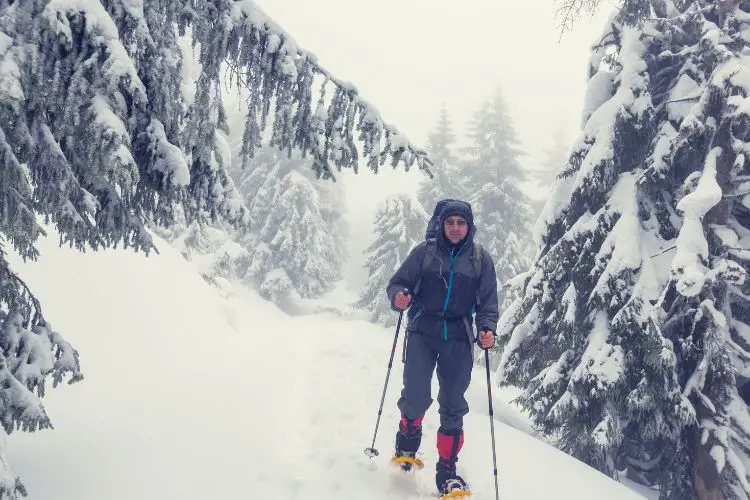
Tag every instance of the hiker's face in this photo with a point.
(455, 228)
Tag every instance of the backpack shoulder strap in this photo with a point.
(477, 263)
(429, 255)
(477, 260)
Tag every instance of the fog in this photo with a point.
(408, 57)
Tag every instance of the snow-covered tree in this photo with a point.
(632, 338)
(100, 135)
(491, 175)
(399, 226)
(493, 152)
(298, 223)
(446, 181)
(219, 252)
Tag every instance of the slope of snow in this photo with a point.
(191, 396)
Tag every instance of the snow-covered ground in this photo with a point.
(191, 396)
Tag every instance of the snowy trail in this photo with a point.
(190, 396)
(345, 370)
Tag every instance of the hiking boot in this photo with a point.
(449, 443)
(446, 478)
(408, 439)
(409, 435)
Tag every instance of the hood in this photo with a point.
(463, 209)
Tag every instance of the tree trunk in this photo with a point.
(706, 481)
(705, 477)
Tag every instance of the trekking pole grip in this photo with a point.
(406, 334)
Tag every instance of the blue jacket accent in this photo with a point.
(454, 256)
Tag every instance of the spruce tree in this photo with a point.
(399, 225)
(631, 338)
(99, 138)
(492, 172)
(298, 224)
(446, 181)
(493, 152)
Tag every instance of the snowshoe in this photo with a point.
(455, 494)
(407, 460)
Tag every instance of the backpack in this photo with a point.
(433, 226)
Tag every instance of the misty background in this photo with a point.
(624, 339)
(421, 54)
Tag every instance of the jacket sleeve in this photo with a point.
(487, 313)
(406, 275)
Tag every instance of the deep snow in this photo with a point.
(189, 395)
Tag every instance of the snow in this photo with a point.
(606, 40)
(188, 395)
(735, 72)
(95, 15)
(247, 15)
(602, 363)
(558, 201)
(717, 453)
(11, 90)
(134, 8)
(106, 118)
(520, 333)
(191, 66)
(687, 92)
(102, 30)
(601, 110)
(743, 330)
(552, 375)
(599, 90)
(600, 126)
(622, 248)
(663, 147)
(170, 159)
(569, 302)
(5, 43)
(692, 246)
(247, 11)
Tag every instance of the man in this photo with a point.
(440, 333)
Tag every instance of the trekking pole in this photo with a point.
(492, 419)
(406, 339)
(371, 451)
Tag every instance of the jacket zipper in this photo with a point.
(448, 293)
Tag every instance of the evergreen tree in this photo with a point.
(99, 137)
(493, 153)
(299, 227)
(446, 181)
(220, 253)
(492, 174)
(631, 339)
(400, 224)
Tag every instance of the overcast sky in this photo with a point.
(408, 56)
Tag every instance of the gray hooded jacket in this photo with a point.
(449, 286)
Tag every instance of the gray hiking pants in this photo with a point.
(454, 364)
